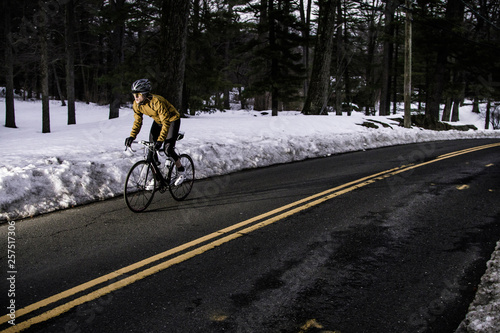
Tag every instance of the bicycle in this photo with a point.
(145, 177)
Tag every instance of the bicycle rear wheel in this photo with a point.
(140, 186)
(180, 192)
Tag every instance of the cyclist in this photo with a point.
(166, 124)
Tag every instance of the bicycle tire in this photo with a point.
(181, 192)
(139, 179)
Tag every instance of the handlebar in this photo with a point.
(148, 144)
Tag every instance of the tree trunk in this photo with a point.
(227, 61)
(261, 102)
(173, 25)
(475, 104)
(10, 116)
(488, 115)
(340, 61)
(44, 69)
(395, 73)
(347, 89)
(454, 16)
(58, 85)
(369, 72)
(458, 96)
(347, 84)
(85, 74)
(437, 85)
(117, 58)
(385, 97)
(70, 61)
(447, 109)
(274, 60)
(305, 18)
(317, 96)
(408, 61)
(455, 115)
(226, 103)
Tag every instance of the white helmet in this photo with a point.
(141, 86)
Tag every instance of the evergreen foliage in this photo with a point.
(256, 49)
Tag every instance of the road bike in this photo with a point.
(148, 176)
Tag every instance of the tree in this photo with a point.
(212, 65)
(408, 64)
(365, 43)
(44, 67)
(173, 30)
(260, 47)
(317, 96)
(340, 61)
(305, 20)
(70, 60)
(10, 117)
(453, 18)
(277, 72)
(118, 30)
(258, 60)
(389, 11)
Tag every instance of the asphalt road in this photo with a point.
(387, 240)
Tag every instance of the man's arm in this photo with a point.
(136, 127)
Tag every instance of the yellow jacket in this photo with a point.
(158, 108)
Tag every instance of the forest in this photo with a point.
(318, 57)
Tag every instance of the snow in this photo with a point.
(484, 312)
(77, 164)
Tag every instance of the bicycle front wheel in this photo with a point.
(181, 191)
(140, 186)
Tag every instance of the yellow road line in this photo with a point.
(183, 257)
(305, 203)
(150, 260)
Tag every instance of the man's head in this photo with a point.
(139, 98)
(141, 88)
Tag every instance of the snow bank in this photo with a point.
(77, 164)
(484, 312)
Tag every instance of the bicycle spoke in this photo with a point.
(139, 186)
(182, 191)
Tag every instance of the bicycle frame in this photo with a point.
(138, 190)
(149, 152)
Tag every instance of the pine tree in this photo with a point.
(119, 10)
(277, 66)
(10, 117)
(172, 50)
(43, 37)
(70, 60)
(317, 96)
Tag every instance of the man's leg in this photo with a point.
(154, 133)
(173, 132)
(171, 139)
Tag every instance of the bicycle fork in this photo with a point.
(156, 171)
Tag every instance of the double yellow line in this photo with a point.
(196, 247)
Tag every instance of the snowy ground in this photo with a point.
(86, 162)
